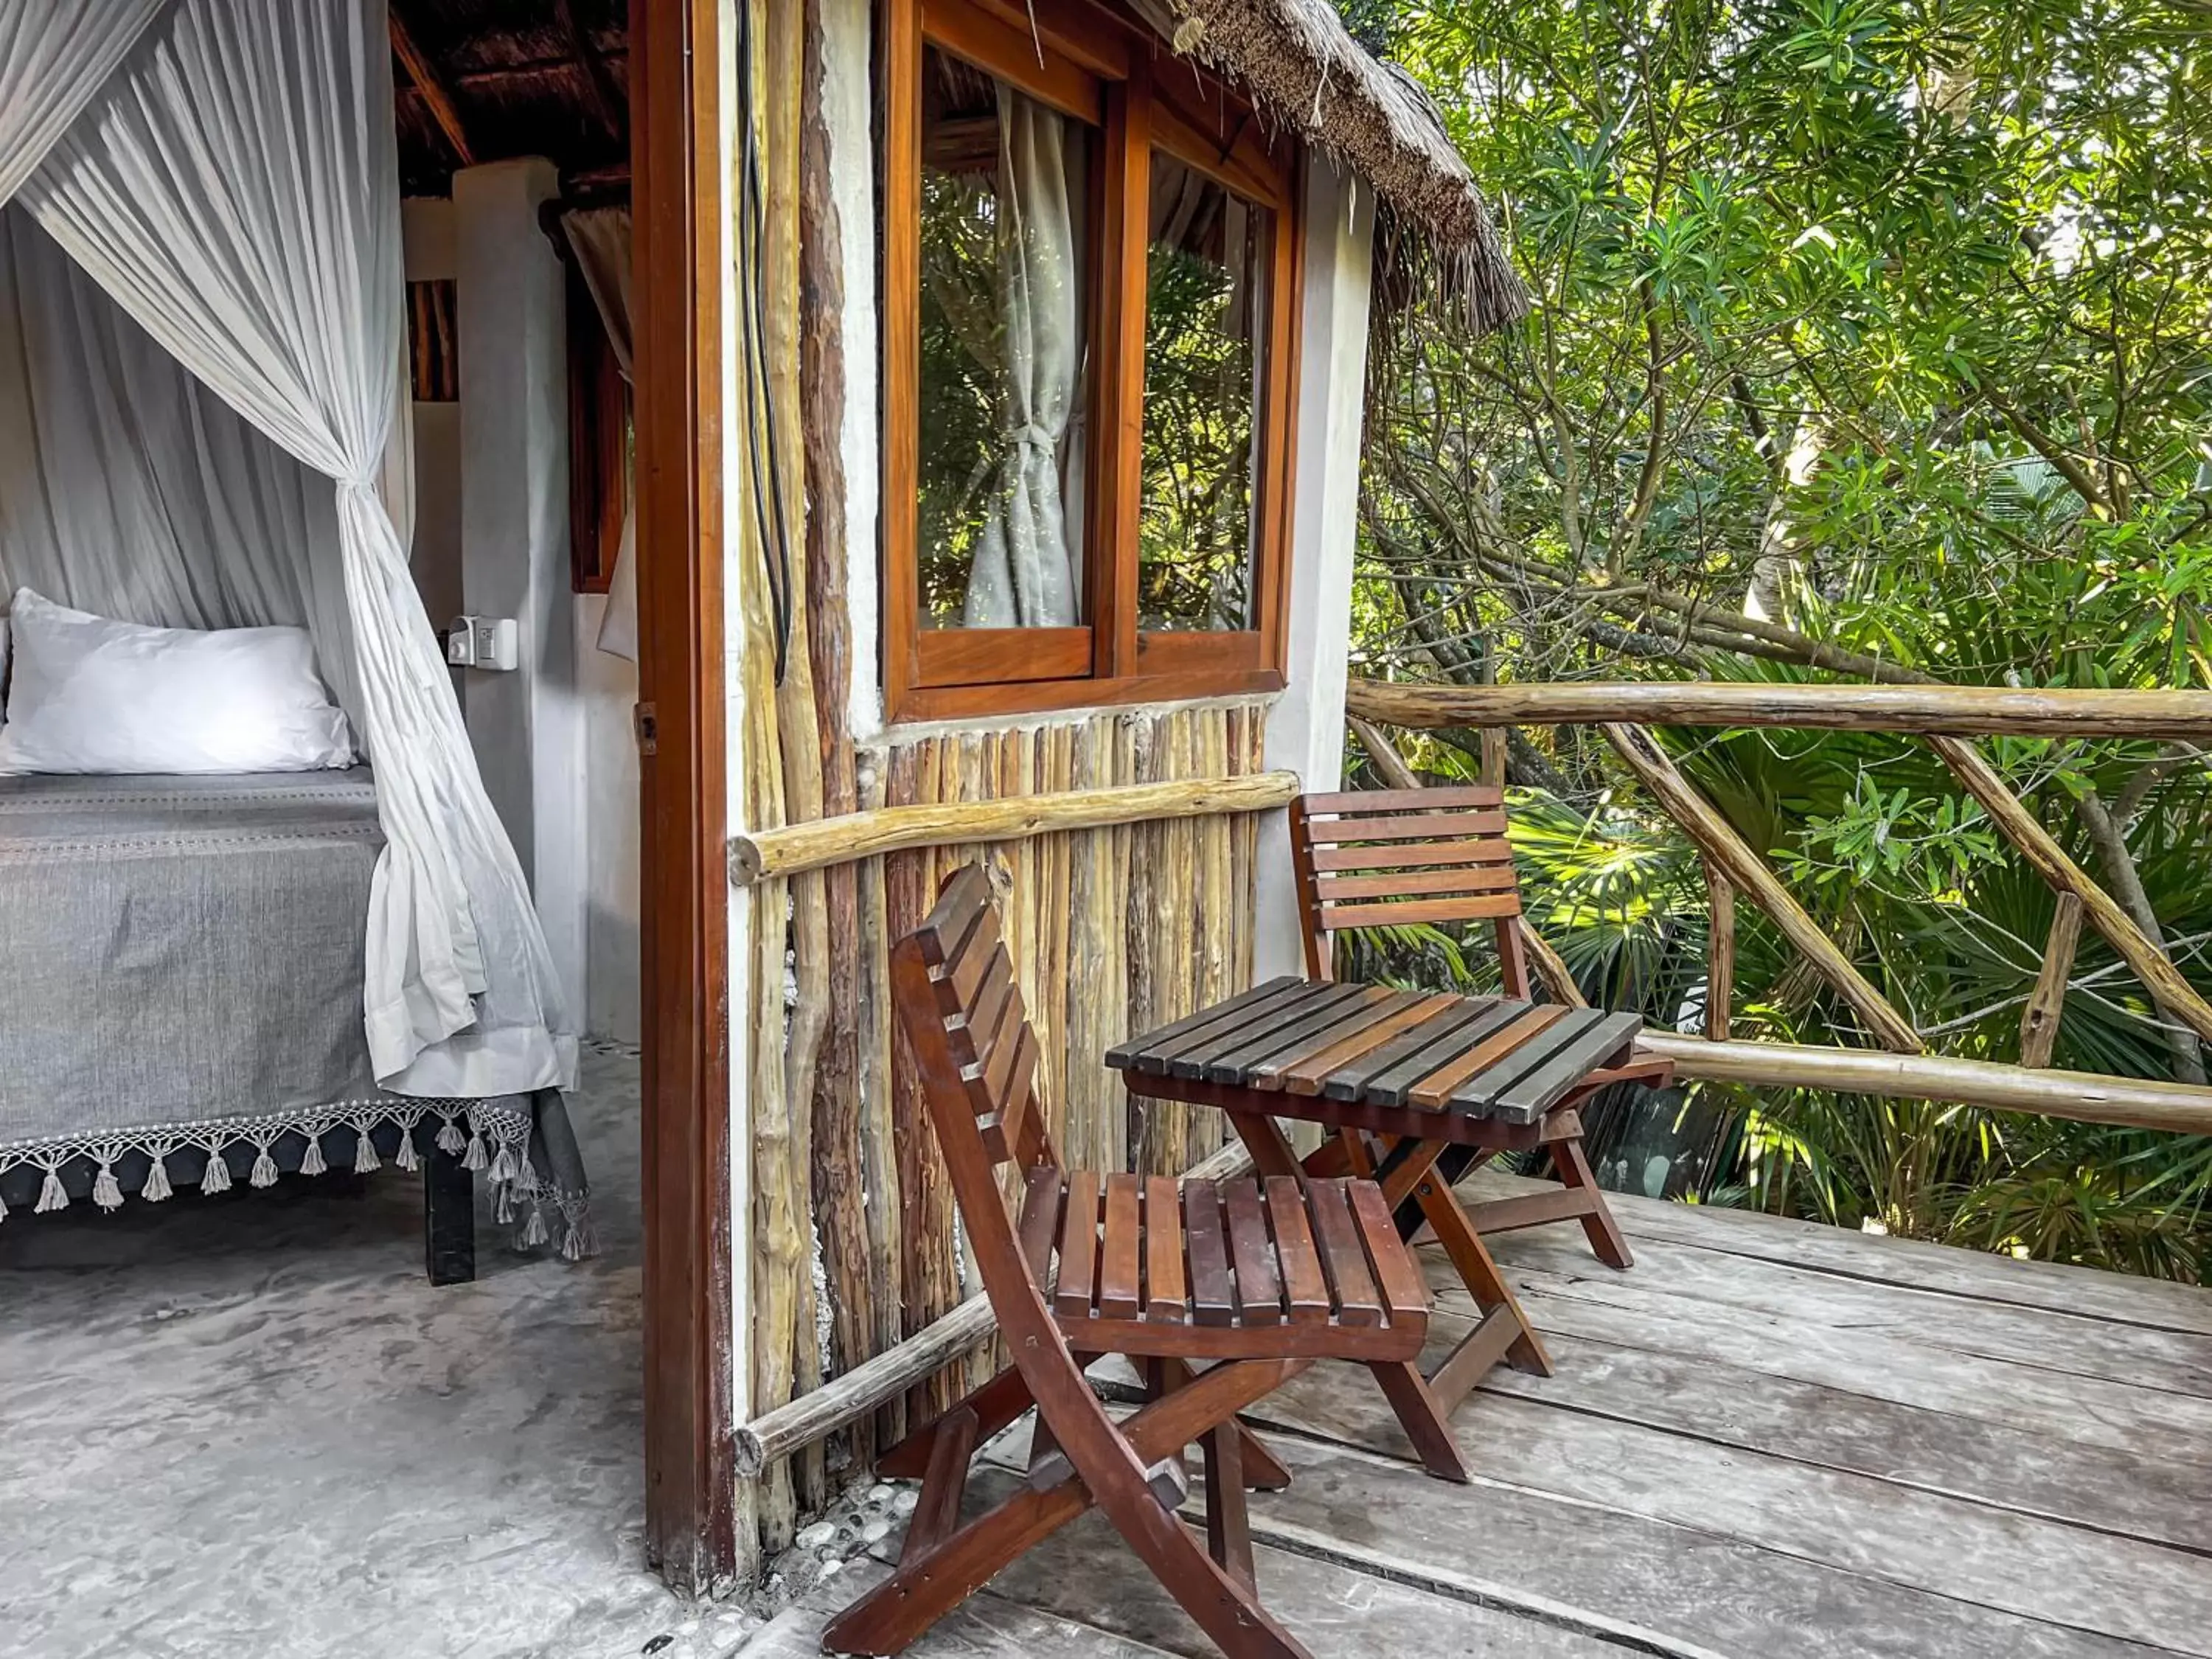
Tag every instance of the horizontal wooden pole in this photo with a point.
(767, 854)
(2083, 1096)
(873, 1383)
(1956, 710)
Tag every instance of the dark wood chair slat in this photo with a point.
(1397, 1275)
(1040, 1221)
(1385, 913)
(1414, 826)
(1396, 1086)
(1305, 1077)
(1252, 1254)
(1534, 1093)
(1396, 800)
(1304, 1285)
(1475, 1095)
(1119, 1256)
(1339, 887)
(1200, 1058)
(1343, 1257)
(1488, 850)
(1079, 1248)
(1212, 1292)
(1165, 1294)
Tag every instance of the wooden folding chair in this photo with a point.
(1390, 857)
(1254, 1280)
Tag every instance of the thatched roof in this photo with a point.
(1296, 60)
(520, 77)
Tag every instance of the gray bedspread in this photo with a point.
(173, 948)
(181, 951)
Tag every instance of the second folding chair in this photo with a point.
(1252, 1280)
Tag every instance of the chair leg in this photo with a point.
(942, 1488)
(1479, 1272)
(996, 1404)
(1228, 1530)
(1423, 1417)
(1263, 1470)
(929, 1582)
(1606, 1237)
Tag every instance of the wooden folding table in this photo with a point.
(1400, 1077)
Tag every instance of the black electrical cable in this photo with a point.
(768, 509)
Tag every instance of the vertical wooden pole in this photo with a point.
(2038, 1021)
(1493, 756)
(839, 1184)
(1720, 952)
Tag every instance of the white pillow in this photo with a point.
(91, 695)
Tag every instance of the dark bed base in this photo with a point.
(449, 1219)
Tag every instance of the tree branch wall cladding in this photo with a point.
(1111, 930)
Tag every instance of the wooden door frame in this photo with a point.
(678, 253)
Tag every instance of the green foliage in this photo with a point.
(1878, 327)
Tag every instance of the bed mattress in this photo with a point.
(180, 949)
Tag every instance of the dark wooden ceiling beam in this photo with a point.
(432, 85)
(599, 90)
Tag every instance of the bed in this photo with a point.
(180, 1003)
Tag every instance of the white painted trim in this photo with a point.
(1305, 729)
(847, 109)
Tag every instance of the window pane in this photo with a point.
(1206, 310)
(1005, 350)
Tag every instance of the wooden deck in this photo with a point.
(1766, 1439)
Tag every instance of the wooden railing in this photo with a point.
(1948, 719)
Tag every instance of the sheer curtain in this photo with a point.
(54, 56)
(235, 188)
(600, 238)
(1022, 576)
(129, 489)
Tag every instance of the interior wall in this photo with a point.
(553, 737)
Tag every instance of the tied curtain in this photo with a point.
(226, 171)
(1022, 576)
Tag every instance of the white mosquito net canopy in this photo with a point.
(202, 311)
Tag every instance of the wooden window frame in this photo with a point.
(598, 444)
(1111, 73)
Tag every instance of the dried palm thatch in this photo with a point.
(1437, 244)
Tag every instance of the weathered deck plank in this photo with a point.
(2137, 1493)
(1762, 1438)
(1870, 1528)
(1087, 1575)
(2176, 1361)
(1569, 1295)
(2116, 1298)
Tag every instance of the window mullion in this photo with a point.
(1121, 384)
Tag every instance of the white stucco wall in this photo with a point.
(1305, 729)
(511, 321)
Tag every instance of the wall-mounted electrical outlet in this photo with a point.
(498, 643)
(461, 642)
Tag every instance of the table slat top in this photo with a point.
(1489, 1057)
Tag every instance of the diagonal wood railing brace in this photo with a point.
(2160, 976)
(1748, 874)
